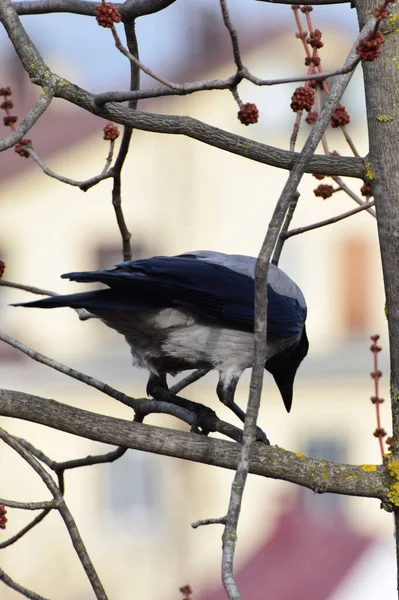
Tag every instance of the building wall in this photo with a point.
(180, 195)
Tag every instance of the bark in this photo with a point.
(267, 461)
(381, 80)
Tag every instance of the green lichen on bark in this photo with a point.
(393, 494)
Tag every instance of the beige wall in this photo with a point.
(178, 195)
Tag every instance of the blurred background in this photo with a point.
(181, 195)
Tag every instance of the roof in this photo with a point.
(305, 559)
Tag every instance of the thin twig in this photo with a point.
(329, 221)
(91, 381)
(83, 314)
(88, 461)
(376, 374)
(295, 130)
(38, 519)
(185, 89)
(188, 380)
(349, 141)
(202, 522)
(83, 185)
(64, 512)
(135, 60)
(351, 193)
(6, 579)
(27, 288)
(117, 194)
(233, 34)
(131, 39)
(31, 118)
(281, 239)
(29, 505)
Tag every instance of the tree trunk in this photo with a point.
(381, 81)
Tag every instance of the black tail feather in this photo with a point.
(96, 300)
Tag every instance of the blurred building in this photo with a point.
(179, 195)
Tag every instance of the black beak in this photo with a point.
(284, 366)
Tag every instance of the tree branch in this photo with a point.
(184, 89)
(6, 579)
(310, 3)
(233, 34)
(39, 73)
(29, 505)
(88, 461)
(267, 461)
(38, 519)
(141, 406)
(83, 314)
(131, 38)
(188, 380)
(260, 329)
(83, 185)
(351, 193)
(287, 222)
(287, 234)
(64, 512)
(128, 10)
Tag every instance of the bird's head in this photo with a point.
(283, 366)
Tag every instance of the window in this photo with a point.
(134, 492)
(355, 285)
(324, 506)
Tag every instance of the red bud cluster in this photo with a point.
(340, 117)
(324, 191)
(186, 591)
(107, 14)
(369, 47)
(302, 99)
(3, 518)
(111, 132)
(9, 121)
(248, 114)
(381, 12)
(379, 432)
(312, 60)
(312, 116)
(366, 190)
(22, 146)
(314, 39)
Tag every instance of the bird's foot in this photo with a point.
(205, 421)
(261, 436)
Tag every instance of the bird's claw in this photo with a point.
(261, 436)
(205, 421)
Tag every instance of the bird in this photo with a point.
(196, 311)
